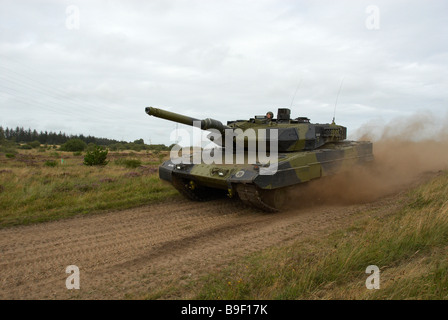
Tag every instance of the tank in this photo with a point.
(259, 158)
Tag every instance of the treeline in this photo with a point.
(21, 135)
(30, 137)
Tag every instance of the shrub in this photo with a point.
(50, 163)
(96, 157)
(77, 153)
(34, 144)
(74, 145)
(129, 163)
(8, 147)
(10, 155)
(91, 146)
(117, 147)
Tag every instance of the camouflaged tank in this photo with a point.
(305, 151)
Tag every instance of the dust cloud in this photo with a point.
(407, 151)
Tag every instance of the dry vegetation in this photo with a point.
(38, 186)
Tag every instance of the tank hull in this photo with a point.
(199, 181)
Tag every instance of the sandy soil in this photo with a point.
(130, 253)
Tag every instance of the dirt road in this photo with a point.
(131, 253)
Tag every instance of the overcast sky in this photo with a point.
(92, 67)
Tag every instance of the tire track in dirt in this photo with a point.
(140, 251)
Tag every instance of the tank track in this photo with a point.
(248, 194)
(195, 194)
(251, 196)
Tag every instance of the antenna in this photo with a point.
(334, 113)
(295, 93)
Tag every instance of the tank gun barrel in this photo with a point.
(206, 124)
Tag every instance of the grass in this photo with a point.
(128, 163)
(409, 245)
(43, 186)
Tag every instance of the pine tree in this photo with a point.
(2, 135)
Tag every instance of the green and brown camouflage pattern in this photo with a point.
(293, 167)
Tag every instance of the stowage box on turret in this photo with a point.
(266, 155)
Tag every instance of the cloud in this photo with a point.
(221, 59)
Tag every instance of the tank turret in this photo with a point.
(292, 134)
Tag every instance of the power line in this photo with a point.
(19, 83)
(62, 95)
